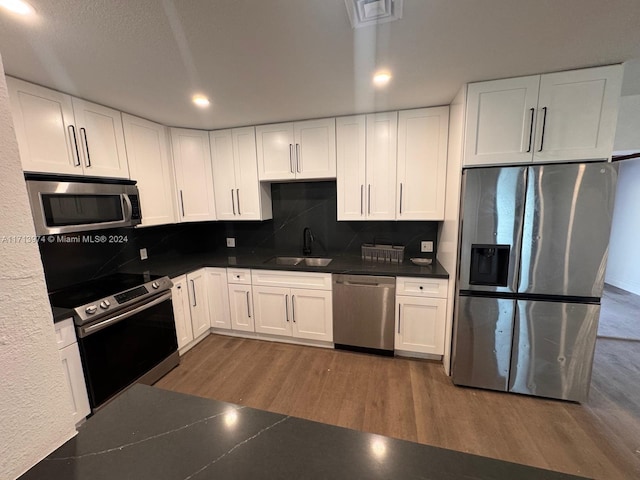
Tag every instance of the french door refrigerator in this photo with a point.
(533, 252)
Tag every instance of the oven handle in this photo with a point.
(86, 331)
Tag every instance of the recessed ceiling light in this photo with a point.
(17, 6)
(201, 101)
(381, 79)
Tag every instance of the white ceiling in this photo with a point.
(265, 61)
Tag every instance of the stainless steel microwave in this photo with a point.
(70, 204)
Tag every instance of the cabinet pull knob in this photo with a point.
(248, 306)
(531, 128)
(182, 203)
(238, 197)
(286, 307)
(293, 307)
(544, 126)
(75, 145)
(193, 287)
(83, 133)
(298, 157)
(233, 202)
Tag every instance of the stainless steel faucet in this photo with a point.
(307, 241)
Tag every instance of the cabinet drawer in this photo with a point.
(239, 275)
(65, 333)
(422, 287)
(283, 278)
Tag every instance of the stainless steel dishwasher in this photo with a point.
(363, 313)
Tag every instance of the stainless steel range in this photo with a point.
(126, 331)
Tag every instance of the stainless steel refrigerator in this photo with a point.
(533, 251)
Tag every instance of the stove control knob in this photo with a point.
(104, 304)
(91, 310)
(155, 285)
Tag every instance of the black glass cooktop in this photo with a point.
(83, 293)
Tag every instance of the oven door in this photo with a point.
(128, 347)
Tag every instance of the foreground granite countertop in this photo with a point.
(174, 264)
(153, 434)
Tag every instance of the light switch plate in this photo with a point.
(143, 254)
(426, 247)
(231, 242)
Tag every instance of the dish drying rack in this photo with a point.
(382, 253)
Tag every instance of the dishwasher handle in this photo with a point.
(364, 281)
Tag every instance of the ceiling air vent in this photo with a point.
(363, 13)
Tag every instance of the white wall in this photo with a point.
(628, 129)
(35, 409)
(623, 266)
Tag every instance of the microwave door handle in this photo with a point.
(128, 208)
(86, 331)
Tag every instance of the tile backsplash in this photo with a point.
(295, 206)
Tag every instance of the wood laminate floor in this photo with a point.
(414, 400)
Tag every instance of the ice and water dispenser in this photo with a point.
(489, 265)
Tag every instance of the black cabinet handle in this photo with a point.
(544, 125)
(75, 144)
(531, 128)
(182, 203)
(400, 198)
(233, 202)
(83, 133)
(238, 197)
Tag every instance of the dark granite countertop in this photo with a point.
(153, 434)
(175, 264)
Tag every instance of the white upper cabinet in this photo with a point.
(60, 134)
(543, 118)
(238, 193)
(102, 139)
(193, 174)
(381, 151)
(300, 150)
(500, 121)
(577, 114)
(150, 165)
(422, 163)
(351, 141)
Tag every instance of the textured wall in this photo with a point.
(35, 413)
(623, 266)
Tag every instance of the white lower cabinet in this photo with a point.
(420, 316)
(218, 297)
(241, 306)
(190, 307)
(72, 368)
(281, 308)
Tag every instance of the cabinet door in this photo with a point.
(181, 312)
(194, 178)
(312, 314)
(72, 367)
(241, 305)
(224, 177)
(275, 147)
(272, 310)
(501, 121)
(45, 129)
(351, 163)
(198, 304)
(420, 324)
(422, 163)
(382, 133)
(101, 137)
(577, 114)
(253, 201)
(315, 148)
(218, 298)
(150, 165)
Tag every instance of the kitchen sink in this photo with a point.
(317, 262)
(286, 260)
(308, 261)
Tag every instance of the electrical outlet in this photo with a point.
(426, 247)
(143, 254)
(231, 242)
